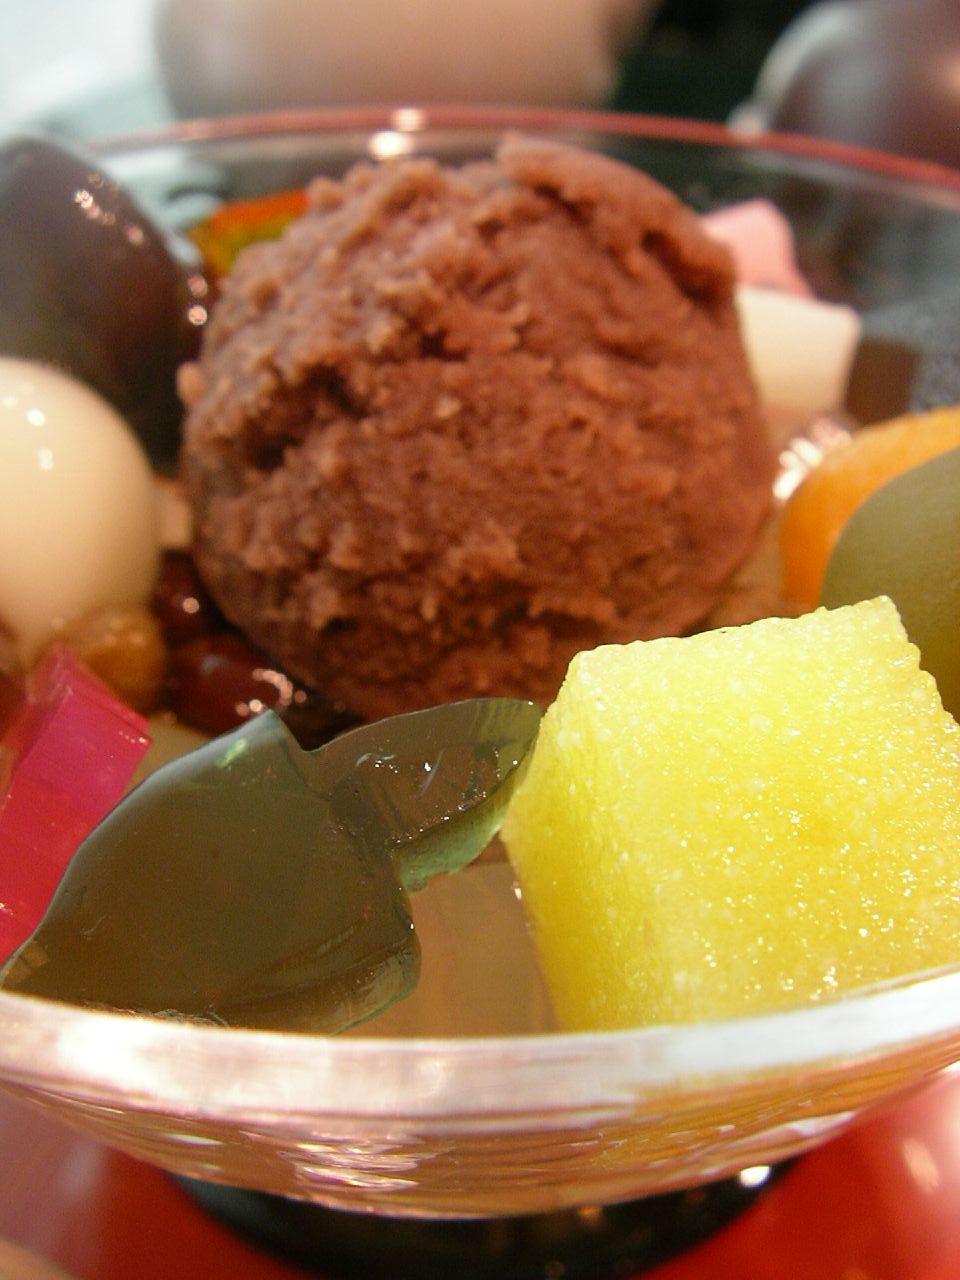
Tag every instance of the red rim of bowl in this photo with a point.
(415, 119)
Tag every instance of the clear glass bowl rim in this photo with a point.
(420, 120)
(189, 1068)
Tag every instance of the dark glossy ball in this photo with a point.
(89, 284)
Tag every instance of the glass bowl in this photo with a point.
(483, 1124)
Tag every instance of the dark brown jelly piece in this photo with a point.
(89, 284)
(917, 365)
(257, 884)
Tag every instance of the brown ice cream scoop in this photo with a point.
(458, 424)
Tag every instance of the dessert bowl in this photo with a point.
(509, 1116)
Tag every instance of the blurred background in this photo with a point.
(875, 72)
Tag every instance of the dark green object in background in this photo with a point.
(699, 59)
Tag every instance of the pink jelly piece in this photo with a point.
(65, 760)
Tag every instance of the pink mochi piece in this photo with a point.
(761, 241)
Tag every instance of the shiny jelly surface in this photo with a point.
(68, 751)
(257, 884)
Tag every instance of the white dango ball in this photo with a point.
(78, 506)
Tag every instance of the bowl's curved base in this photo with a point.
(597, 1243)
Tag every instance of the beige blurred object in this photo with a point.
(219, 56)
(875, 73)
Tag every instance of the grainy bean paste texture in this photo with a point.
(458, 424)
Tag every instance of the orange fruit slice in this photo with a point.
(818, 511)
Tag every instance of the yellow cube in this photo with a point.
(740, 821)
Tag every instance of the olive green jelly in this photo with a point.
(256, 884)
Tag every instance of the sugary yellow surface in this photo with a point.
(742, 820)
